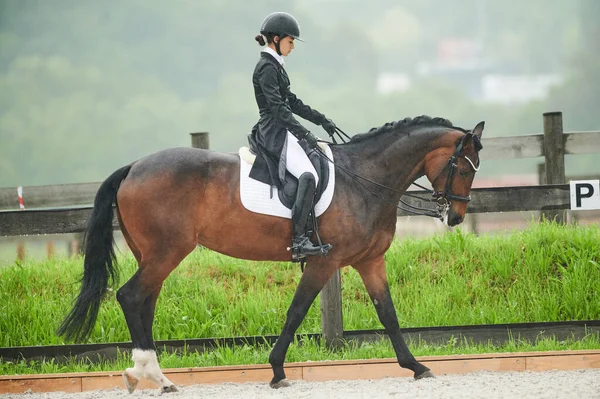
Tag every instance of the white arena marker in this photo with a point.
(585, 194)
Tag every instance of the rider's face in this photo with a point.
(286, 45)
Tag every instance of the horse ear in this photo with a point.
(475, 134)
(478, 130)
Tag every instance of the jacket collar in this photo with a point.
(271, 52)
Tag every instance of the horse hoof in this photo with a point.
(426, 374)
(280, 384)
(169, 388)
(130, 382)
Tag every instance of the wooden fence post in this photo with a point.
(541, 172)
(474, 223)
(50, 249)
(76, 245)
(554, 155)
(20, 251)
(200, 140)
(331, 311)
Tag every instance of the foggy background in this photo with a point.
(87, 86)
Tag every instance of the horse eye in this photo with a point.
(463, 173)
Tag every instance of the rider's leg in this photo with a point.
(301, 163)
(303, 170)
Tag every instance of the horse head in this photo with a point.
(451, 168)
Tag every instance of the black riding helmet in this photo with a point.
(280, 24)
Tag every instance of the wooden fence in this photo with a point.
(66, 208)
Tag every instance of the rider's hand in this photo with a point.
(329, 127)
(311, 140)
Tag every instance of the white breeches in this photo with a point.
(297, 161)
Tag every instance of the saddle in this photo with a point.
(287, 194)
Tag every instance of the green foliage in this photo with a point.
(86, 87)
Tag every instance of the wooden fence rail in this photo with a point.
(82, 194)
(484, 200)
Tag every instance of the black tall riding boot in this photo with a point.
(301, 244)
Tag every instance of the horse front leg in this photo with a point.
(375, 280)
(313, 279)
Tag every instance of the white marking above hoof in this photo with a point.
(146, 365)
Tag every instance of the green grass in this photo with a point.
(545, 273)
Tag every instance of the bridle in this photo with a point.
(443, 199)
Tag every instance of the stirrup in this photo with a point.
(305, 247)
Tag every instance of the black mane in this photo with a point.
(403, 124)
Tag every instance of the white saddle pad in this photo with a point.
(256, 196)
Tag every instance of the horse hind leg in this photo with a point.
(160, 239)
(153, 372)
(138, 299)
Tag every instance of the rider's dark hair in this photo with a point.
(261, 38)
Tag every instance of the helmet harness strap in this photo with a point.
(277, 43)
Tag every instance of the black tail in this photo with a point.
(99, 266)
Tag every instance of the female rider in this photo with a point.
(278, 136)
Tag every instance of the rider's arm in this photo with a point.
(304, 111)
(269, 84)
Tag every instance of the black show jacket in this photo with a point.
(276, 106)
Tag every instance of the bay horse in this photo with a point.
(169, 202)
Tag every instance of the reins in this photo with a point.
(410, 208)
(442, 199)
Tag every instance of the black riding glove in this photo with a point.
(329, 127)
(311, 140)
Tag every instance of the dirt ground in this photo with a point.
(487, 385)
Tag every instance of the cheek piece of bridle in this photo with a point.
(443, 199)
